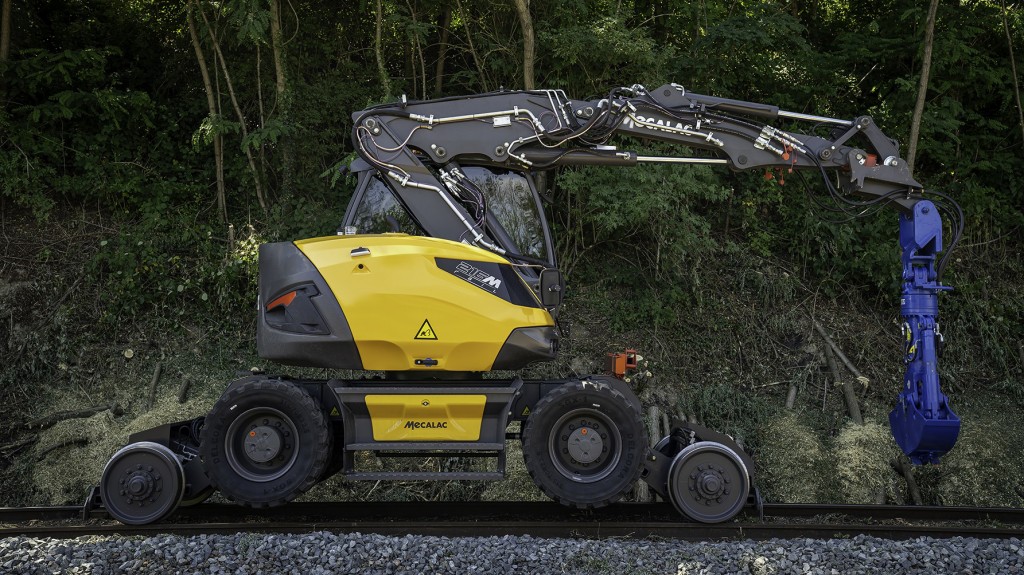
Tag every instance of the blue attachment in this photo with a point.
(922, 422)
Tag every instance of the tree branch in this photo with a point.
(922, 88)
(1013, 69)
(238, 110)
(218, 139)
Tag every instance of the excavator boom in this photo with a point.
(419, 149)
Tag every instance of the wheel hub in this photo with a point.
(260, 444)
(710, 483)
(263, 443)
(140, 483)
(585, 445)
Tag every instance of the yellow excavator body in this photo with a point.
(416, 303)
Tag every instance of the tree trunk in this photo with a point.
(263, 117)
(842, 356)
(238, 109)
(526, 22)
(283, 103)
(901, 466)
(922, 88)
(848, 394)
(152, 385)
(278, 45)
(5, 32)
(442, 49)
(218, 147)
(1013, 70)
(384, 80)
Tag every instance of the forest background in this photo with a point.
(147, 147)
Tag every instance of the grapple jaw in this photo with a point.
(922, 422)
(923, 440)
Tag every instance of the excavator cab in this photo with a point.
(515, 214)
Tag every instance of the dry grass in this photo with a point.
(862, 457)
(985, 467)
(792, 462)
(64, 475)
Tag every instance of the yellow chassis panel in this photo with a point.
(426, 417)
(403, 309)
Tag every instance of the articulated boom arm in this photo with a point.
(418, 148)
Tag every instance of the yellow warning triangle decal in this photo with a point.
(526, 411)
(335, 412)
(426, 332)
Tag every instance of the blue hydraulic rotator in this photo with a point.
(922, 422)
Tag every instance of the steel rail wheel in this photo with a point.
(708, 482)
(142, 483)
(201, 496)
(584, 444)
(264, 443)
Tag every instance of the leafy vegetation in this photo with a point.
(148, 147)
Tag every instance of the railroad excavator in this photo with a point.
(442, 281)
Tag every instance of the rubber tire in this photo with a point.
(313, 443)
(613, 406)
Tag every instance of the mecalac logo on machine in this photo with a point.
(654, 123)
(426, 425)
(477, 277)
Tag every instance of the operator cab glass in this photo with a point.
(374, 206)
(511, 201)
(515, 218)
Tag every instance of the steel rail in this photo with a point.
(542, 519)
(571, 529)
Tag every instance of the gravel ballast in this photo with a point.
(322, 552)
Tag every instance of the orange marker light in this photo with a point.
(284, 300)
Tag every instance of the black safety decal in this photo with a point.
(426, 331)
(497, 279)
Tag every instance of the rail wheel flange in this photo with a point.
(708, 482)
(142, 483)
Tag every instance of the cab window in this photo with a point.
(511, 201)
(377, 203)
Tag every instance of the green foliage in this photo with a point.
(656, 217)
(175, 269)
(727, 408)
(250, 20)
(210, 128)
(74, 135)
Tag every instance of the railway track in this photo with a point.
(536, 519)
